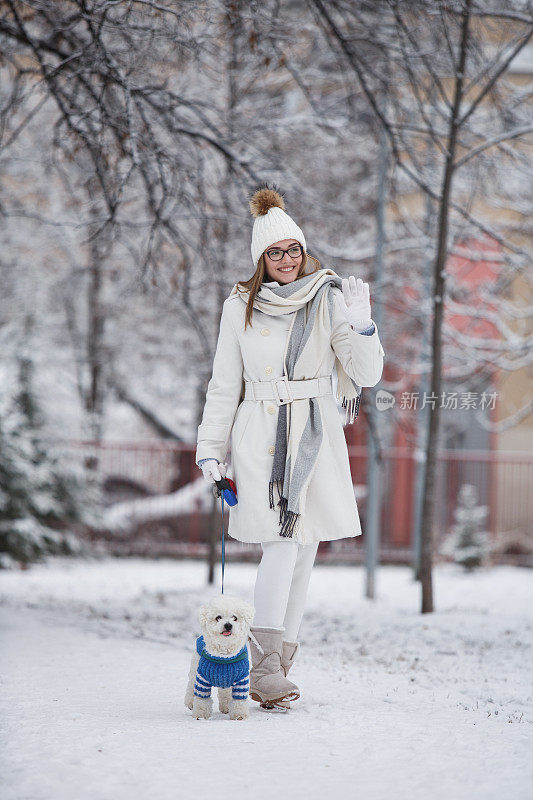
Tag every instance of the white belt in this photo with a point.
(282, 390)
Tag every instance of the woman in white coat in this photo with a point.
(283, 333)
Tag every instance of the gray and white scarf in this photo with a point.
(299, 428)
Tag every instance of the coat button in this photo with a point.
(271, 450)
(268, 370)
(271, 409)
(264, 331)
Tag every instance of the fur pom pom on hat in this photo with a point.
(272, 223)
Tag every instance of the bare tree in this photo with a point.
(449, 57)
(131, 118)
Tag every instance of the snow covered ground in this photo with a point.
(394, 704)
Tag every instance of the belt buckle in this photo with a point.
(277, 398)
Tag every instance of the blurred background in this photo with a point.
(131, 135)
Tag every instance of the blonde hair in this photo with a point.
(253, 284)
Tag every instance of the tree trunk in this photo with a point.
(439, 274)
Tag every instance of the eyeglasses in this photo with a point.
(276, 254)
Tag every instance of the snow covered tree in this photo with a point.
(467, 544)
(42, 491)
(134, 197)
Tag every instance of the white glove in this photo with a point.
(354, 302)
(213, 471)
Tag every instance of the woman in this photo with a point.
(271, 394)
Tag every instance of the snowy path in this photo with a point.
(94, 665)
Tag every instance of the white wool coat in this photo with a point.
(249, 426)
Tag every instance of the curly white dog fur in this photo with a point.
(221, 658)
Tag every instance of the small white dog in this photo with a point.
(221, 658)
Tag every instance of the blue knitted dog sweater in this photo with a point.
(222, 671)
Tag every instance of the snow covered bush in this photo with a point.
(26, 540)
(467, 544)
(42, 490)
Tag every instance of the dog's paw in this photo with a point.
(202, 707)
(238, 709)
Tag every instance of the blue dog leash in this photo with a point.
(226, 490)
(223, 540)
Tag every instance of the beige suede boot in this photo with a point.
(288, 654)
(267, 681)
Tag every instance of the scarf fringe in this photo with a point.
(351, 405)
(288, 520)
(278, 482)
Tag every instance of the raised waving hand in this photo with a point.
(354, 302)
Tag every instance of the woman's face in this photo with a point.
(285, 270)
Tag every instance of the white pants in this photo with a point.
(281, 585)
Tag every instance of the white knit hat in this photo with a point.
(272, 223)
